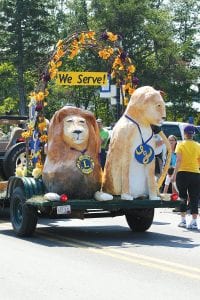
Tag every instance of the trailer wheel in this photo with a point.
(14, 157)
(23, 217)
(140, 219)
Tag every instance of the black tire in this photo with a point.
(13, 157)
(140, 219)
(23, 217)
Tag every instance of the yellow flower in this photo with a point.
(74, 50)
(46, 93)
(112, 37)
(21, 171)
(126, 100)
(32, 95)
(53, 73)
(58, 64)
(42, 126)
(131, 90)
(59, 44)
(43, 138)
(131, 69)
(106, 53)
(37, 172)
(113, 74)
(39, 165)
(26, 134)
(91, 34)
(40, 96)
(82, 38)
(60, 53)
(117, 63)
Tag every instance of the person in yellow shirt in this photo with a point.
(187, 176)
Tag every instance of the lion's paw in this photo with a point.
(126, 197)
(52, 197)
(101, 196)
(154, 197)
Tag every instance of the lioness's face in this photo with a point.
(154, 110)
(75, 130)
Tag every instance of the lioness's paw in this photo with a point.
(101, 196)
(126, 197)
(154, 198)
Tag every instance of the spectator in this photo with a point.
(159, 154)
(104, 135)
(168, 186)
(187, 175)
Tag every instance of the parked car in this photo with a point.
(12, 145)
(177, 129)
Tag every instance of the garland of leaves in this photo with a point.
(108, 47)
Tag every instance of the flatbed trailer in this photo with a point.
(25, 198)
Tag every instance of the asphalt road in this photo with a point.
(100, 259)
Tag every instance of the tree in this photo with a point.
(185, 72)
(161, 40)
(27, 33)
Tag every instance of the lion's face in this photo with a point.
(75, 130)
(147, 106)
(154, 110)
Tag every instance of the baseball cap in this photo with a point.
(99, 120)
(189, 129)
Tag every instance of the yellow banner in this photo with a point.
(82, 78)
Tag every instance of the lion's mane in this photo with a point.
(60, 173)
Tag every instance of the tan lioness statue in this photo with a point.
(72, 163)
(130, 164)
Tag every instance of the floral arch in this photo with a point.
(108, 46)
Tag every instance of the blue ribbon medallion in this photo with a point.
(144, 154)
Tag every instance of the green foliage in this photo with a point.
(159, 36)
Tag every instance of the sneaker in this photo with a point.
(192, 225)
(182, 224)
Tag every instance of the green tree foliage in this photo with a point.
(161, 41)
(27, 33)
(160, 37)
(185, 72)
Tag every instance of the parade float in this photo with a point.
(62, 176)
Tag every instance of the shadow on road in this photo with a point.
(103, 236)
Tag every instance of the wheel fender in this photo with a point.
(30, 186)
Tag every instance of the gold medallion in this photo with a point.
(85, 163)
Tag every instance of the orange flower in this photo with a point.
(74, 50)
(82, 38)
(59, 44)
(131, 90)
(106, 53)
(112, 37)
(42, 126)
(39, 96)
(91, 34)
(26, 134)
(43, 138)
(131, 69)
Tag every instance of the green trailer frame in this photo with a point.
(25, 199)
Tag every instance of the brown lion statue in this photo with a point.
(72, 162)
(130, 164)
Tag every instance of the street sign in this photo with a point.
(108, 92)
(82, 78)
